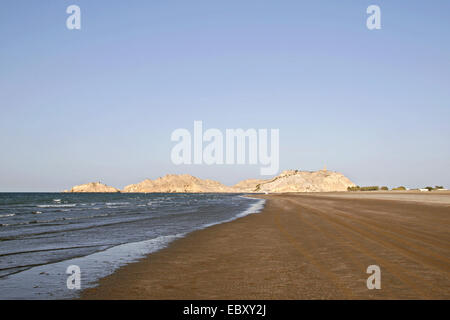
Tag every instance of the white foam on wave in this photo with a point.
(56, 205)
(116, 203)
(7, 215)
(254, 208)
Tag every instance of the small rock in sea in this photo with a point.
(36, 212)
(33, 222)
(44, 273)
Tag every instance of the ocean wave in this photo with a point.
(254, 208)
(56, 205)
(39, 222)
(7, 215)
(116, 203)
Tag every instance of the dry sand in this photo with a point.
(303, 246)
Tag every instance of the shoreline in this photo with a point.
(300, 246)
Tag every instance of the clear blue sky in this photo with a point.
(101, 103)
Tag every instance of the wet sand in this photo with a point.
(303, 246)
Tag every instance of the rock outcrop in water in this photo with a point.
(183, 183)
(305, 181)
(94, 187)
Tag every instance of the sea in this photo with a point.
(43, 234)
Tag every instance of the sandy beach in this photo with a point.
(303, 246)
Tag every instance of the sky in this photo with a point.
(100, 103)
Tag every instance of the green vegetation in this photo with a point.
(370, 188)
(435, 188)
(384, 188)
(358, 188)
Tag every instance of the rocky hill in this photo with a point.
(305, 181)
(173, 183)
(248, 185)
(95, 187)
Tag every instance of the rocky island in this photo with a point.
(93, 187)
(183, 183)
